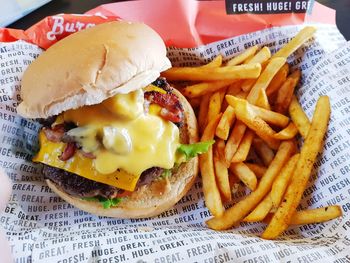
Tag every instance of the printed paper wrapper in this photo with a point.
(41, 227)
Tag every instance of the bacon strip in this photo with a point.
(54, 134)
(68, 151)
(171, 106)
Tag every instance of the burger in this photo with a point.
(116, 139)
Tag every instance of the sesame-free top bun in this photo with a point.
(146, 201)
(89, 66)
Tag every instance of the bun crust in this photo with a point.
(90, 66)
(144, 202)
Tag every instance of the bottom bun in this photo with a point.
(149, 200)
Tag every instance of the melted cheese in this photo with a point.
(125, 145)
(49, 154)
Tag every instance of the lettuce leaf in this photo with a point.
(105, 202)
(166, 173)
(191, 150)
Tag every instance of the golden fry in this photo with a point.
(236, 213)
(261, 57)
(246, 175)
(197, 90)
(216, 62)
(318, 215)
(263, 101)
(233, 89)
(285, 93)
(287, 133)
(254, 122)
(258, 169)
(282, 180)
(226, 121)
(234, 140)
(221, 171)
(264, 152)
(299, 117)
(250, 71)
(243, 148)
(303, 35)
(203, 112)
(278, 80)
(265, 78)
(243, 56)
(215, 102)
(311, 147)
(211, 192)
(261, 211)
(312, 216)
(267, 115)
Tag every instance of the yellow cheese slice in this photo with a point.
(78, 164)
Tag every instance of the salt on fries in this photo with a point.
(247, 106)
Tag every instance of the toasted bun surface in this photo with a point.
(89, 66)
(144, 202)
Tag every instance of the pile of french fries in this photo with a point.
(247, 106)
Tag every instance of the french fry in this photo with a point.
(215, 102)
(254, 122)
(263, 151)
(261, 211)
(263, 101)
(216, 62)
(261, 57)
(203, 112)
(265, 78)
(197, 90)
(285, 93)
(287, 133)
(234, 140)
(211, 192)
(236, 213)
(299, 117)
(311, 147)
(312, 216)
(225, 123)
(220, 147)
(303, 35)
(250, 71)
(249, 58)
(244, 174)
(233, 89)
(318, 215)
(221, 171)
(259, 170)
(278, 80)
(281, 182)
(243, 56)
(267, 115)
(243, 148)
